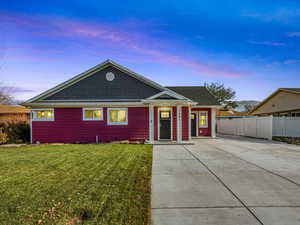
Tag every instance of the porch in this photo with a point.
(180, 123)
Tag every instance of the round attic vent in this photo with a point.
(110, 76)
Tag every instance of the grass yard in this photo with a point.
(105, 184)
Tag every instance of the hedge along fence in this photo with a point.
(14, 132)
(261, 127)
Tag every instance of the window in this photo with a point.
(43, 114)
(165, 114)
(192, 116)
(117, 116)
(93, 114)
(203, 119)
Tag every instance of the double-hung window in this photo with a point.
(92, 114)
(117, 116)
(43, 114)
(203, 119)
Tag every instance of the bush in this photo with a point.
(17, 132)
(3, 137)
(289, 140)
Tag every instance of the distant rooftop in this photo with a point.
(13, 109)
(291, 89)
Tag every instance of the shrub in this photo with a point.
(15, 132)
(289, 140)
(3, 137)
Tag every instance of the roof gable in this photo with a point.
(93, 85)
(270, 104)
(167, 94)
(98, 87)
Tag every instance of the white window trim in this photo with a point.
(45, 109)
(85, 119)
(199, 114)
(116, 123)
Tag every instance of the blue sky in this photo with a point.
(251, 46)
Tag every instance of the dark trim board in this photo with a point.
(169, 123)
(194, 124)
(165, 125)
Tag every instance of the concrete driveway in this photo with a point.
(226, 181)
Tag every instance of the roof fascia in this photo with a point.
(83, 104)
(166, 101)
(289, 91)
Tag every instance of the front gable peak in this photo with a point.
(106, 81)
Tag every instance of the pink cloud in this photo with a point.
(13, 89)
(117, 38)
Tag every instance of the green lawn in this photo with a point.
(105, 184)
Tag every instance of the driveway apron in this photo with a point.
(214, 182)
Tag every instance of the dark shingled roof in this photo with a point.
(196, 93)
(291, 89)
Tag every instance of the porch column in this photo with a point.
(213, 122)
(31, 126)
(179, 123)
(151, 123)
(190, 124)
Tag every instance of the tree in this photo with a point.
(224, 95)
(249, 107)
(5, 97)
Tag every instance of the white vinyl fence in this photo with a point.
(286, 126)
(260, 127)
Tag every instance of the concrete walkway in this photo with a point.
(226, 181)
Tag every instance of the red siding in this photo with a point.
(69, 127)
(205, 131)
(174, 121)
(185, 123)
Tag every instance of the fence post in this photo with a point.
(284, 126)
(271, 128)
(256, 126)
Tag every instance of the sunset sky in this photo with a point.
(251, 46)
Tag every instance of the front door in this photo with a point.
(193, 125)
(165, 125)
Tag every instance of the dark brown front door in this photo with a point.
(165, 125)
(193, 125)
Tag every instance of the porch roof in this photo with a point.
(198, 94)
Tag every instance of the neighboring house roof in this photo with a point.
(231, 113)
(287, 90)
(13, 109)
(290, 89)
(199, 94)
